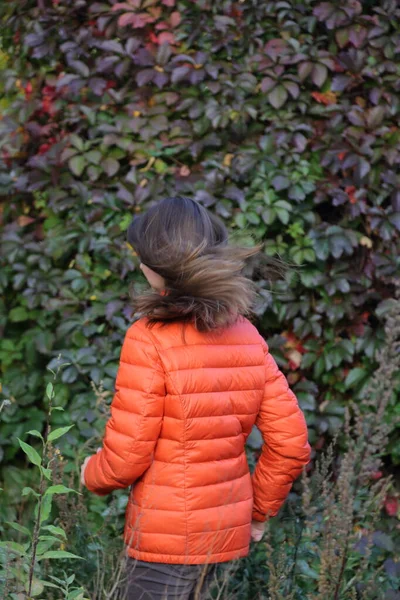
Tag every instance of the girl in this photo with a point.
(194, 377)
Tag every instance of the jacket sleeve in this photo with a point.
(286, 449)
(136, 416)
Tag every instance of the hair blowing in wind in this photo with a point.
(188, 246)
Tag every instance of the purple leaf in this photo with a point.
(97, 85)
(300, 142)
(163, 54)
(323, 10)
(205, 198)
(356, 117)
(305, 69)
(278, 96)
(395, 199)
(267, 84)
(280, 182)
(179, 73)
(145, 76)
(319, 74)
(80, 67)
(292, 88)
(340, 83)
(160, 79)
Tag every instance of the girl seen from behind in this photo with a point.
(194, 377)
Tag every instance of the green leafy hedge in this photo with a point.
(282, 117)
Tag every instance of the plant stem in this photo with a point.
(342, 567)
(35, 537)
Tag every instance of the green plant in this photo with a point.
(21, 560)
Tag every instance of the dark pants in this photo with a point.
(160, 581)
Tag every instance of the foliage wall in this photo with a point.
(282, 117)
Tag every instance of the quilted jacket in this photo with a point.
(184, 405)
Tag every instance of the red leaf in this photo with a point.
(166, 37)
(350, 191)
(391, 506)
(23, 220)
(175, 18)
(126, 19)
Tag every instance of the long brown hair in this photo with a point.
(188, 246)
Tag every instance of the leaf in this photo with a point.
(375, 116)
(77, 165)
(278, 96)
(13, 547)
(35, 433)
(179, 73)
(45, 508)
(55, 530)
(56, 433)
(111, 166)
(30, 452)
(280, 182)
(59, 554)
(36, 588)
(292, 88)
(354, 377)
(80, 67)
(18, 314)
(305, 69)
(319, 74)
(50, 391)
(58, 489)
(47, 473)
(267, 84)
(19, 528)
(93, 157)
(28, 490)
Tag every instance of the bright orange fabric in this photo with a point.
(184, 405)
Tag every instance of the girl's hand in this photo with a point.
(83, 467)
(257, 530)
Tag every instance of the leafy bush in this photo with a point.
(282, 117)
(325, 545)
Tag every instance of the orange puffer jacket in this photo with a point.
(185, 403)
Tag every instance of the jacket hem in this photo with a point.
(179, 559)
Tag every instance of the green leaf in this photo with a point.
(37, 587)
(56, 433)
(282, 214)
(45, 508)
(111, 166)
(355, 376)
(36, 433)
(268, 216)
(30, 452)
(28, 490)
(19, 528)
(77, 142)
(55, 530)
(59, 554)
(50, 391)
(13, 547)
(240, 220)
(18, 314)
(94, 157)
(59, 489)
(47, 473)
(77, 165)
(45, 545)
